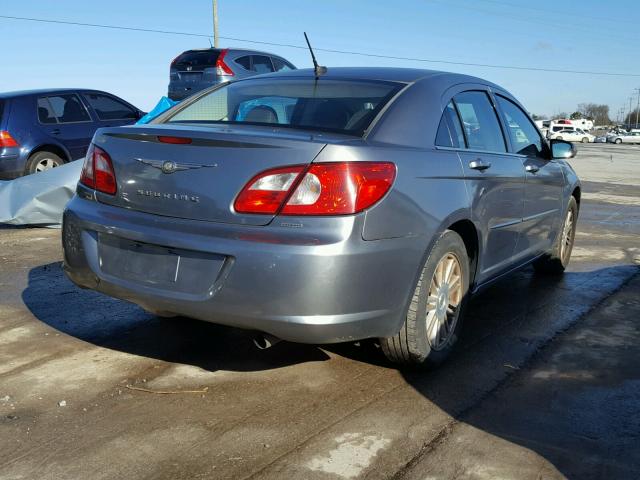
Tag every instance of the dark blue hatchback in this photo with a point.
(42, 129)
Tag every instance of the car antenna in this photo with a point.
(318, 69)
(210, 44)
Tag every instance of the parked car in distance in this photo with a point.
(573, 135)
(630, 137)
(42, 129)
(195, 70)
(323, 209)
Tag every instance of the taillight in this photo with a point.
(6, 140)
(174, 140)
(265, 192)
(97, 171)
(221, 67)
(323, 189)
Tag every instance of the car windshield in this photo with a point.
(341, 106)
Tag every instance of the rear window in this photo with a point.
(341, 106)
(196, 60)
(108, 108)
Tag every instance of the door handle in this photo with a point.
(531, 168)
(55, 131)
(479, 165)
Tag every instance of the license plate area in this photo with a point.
(160, 267)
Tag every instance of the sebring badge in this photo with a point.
(167, 166)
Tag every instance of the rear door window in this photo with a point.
(279, 65)
(480, 122)
(45, 111)
(261, 64)
(66, 108)
(109, 108)
(450, 132)
(523, 134)
(244, 62)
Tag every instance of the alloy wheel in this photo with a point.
(46, 164)
(443, 301)
(567, 237)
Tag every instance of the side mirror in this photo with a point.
(562, 149)
(141, 114)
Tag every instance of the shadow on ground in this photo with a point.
(504, 329)
(118, 325)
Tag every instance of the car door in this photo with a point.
(544, 180)
(65, 119)
(494, 179)
(109, 110)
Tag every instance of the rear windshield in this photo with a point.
(196, 60)
(341, 106)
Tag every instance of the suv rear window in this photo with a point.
(342, 106)
(196, 60)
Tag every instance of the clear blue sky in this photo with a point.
(135, 65)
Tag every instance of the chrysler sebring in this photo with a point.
(359, 203)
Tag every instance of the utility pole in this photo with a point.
(215, 23)
(630, 109)
(638, 109)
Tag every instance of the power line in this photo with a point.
(540, 22)
(343, 52)
(555, 12)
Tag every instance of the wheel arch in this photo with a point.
(469, 234)
(53, 148)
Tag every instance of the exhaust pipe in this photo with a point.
(264, 341)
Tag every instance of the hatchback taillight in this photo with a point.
(340, 188)
(97, 171)
(221, 67)
(6, 140)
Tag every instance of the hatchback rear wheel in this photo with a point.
(434, 317)
(42, 161)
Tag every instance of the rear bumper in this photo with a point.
(311, 281)
(11, 163)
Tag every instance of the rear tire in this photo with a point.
(434, 317)
(42, 161)
(556, 261)
(585, 140)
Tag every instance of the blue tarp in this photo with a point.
(162, 106)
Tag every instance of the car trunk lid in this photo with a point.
(197, 180)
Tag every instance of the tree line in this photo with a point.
(598, 113)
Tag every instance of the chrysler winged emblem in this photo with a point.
(167, 166)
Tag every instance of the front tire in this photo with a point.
(618, 141)
(42, 161)
(585, 140)
(556, 261)
(558, 138)
(434, 318)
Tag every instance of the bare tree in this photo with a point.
(593, 111)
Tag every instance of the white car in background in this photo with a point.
(624, 137)
(573, 135)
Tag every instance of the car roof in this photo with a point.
(44, 91)
(391, 74)
(231, 49)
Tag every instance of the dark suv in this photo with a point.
(42, 129)
(195, 70)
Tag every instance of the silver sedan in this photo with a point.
(324, 207)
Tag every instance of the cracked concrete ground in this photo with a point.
(544, 383)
